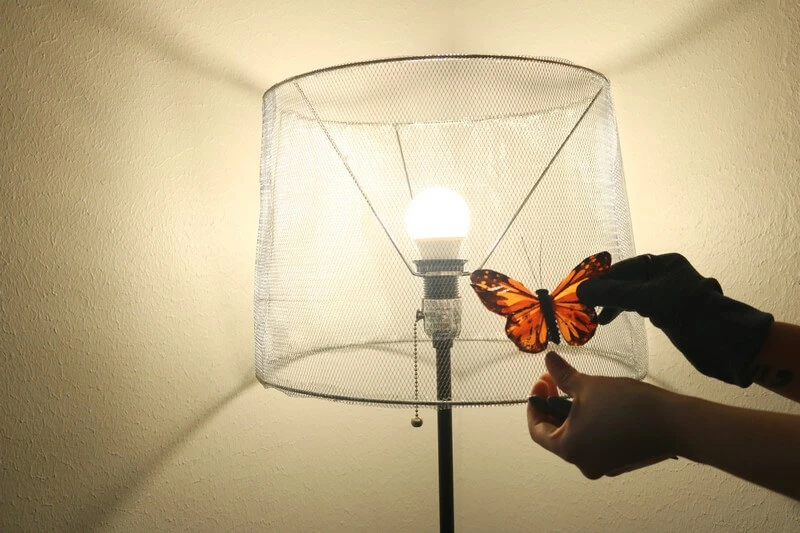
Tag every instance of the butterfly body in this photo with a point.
(534, 319)
(549, 315)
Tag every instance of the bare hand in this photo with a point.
(616, 424)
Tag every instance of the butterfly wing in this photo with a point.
(528, 330)
(576, 321)
(500, 294)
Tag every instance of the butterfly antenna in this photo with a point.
(530, 263)
(540, 259)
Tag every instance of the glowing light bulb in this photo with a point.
(438, 220)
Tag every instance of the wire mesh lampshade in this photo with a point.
(385, 183)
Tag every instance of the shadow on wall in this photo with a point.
(154, 35)
(157, 36)
(115, 306)
(126, 483)
(707, 17)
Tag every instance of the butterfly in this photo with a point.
(532, 320)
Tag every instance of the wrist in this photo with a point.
(678, 422)
(746, 329)
(777, 365)
(721, 336)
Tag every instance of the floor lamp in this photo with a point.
(385, 183)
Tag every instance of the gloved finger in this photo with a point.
(608, 314)
(713, 285)
(625, 295)
(638, 268)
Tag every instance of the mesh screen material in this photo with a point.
(346, 148)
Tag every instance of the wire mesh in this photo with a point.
(531, 145)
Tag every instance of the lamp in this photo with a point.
(385, 183)
(438, 220)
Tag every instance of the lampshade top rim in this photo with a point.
(433, 57)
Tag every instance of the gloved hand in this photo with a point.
(718, 335)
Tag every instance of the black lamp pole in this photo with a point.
(444, 429)
(442, 315)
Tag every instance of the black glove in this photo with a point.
(718, 335)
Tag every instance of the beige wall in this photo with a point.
(130, 152)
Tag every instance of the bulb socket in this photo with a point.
(439, 266)
(441, 277)
(441, 288)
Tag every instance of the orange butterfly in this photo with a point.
(533, 320)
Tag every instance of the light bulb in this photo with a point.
(438, 220)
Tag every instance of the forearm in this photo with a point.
(777, 366)
(758, 446)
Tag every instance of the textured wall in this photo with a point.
(129, 166)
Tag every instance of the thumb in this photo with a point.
(567, 378)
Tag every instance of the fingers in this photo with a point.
(608, 314)
(551, 388)
(604, 290)
(541, 429)
(540, 426)
(638, 268)
(621, 294)
(545, 387)
(622, 288)
(567, 378)
(541, 389)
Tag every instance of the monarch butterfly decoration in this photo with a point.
(533, 320)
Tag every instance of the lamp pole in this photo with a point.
(441, 309)
(444, 430)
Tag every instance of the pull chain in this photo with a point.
(416, 421)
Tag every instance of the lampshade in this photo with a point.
(523, 159)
